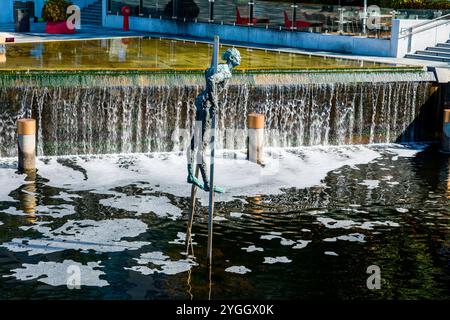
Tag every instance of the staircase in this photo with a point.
(92, 14)
(441, 53)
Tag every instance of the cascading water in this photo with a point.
(113, 117)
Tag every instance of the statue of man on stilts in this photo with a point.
(207, 105)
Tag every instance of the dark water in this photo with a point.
(407, 196)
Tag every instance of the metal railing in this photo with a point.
(277, 15)
(430, 25)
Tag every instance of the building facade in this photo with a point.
(7, 8)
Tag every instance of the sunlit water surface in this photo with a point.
(153, 54)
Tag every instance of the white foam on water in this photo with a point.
(347, 224)
(160, 206)
(301, 244)
(56, 273)
(219, 218)
(68, 197)
(181, 239)
(331, 253)
(238, 269)
(371, 184)
(369, 225)
(54, 211)
(102, 173)
(165, 265)
(38, 226)
(99, 236)
(59, 176)
(9, 181)
(314, 212)
(337, 224)
(270, 260)
(353, 237)
(1, 223)
(287, 242)
(253, 248)
(236, 214)
(354, 210)
(405, 151)
(166, 172)
(305, 230)
(269, 237)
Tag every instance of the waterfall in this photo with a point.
(147, 115)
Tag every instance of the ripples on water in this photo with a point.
(313, 236)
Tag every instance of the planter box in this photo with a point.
(58, 28)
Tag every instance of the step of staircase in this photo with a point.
(92, 14)
(434, 53)
(427, 57)
(440, 52)
(439, 49)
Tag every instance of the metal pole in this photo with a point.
(251, 5)
(175, 9)
(215, 61)
(211, 10)
(364, 17)
(294, 16)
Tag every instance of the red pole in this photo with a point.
(126, 11)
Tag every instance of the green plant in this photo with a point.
(415, 4)
(55, 10)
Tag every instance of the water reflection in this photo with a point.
(153, 54)
(255, 209)
(118, 50)
(27, 196)
(37, 50)
(2, 53)
(448, 179)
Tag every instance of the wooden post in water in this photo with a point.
(446, 131)
(26, 130)
(214, 65)
(255, 124)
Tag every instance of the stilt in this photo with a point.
(191, 212)
(215, 61)
(211, 194)
(26, 130)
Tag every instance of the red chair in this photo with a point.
(298, 23)
(243, 20)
